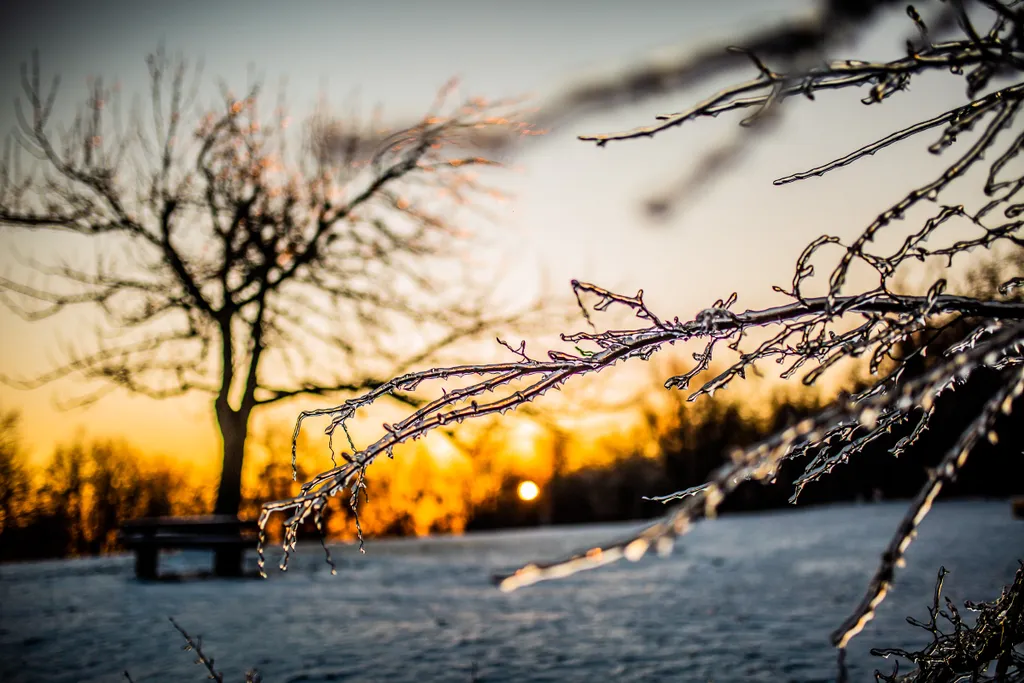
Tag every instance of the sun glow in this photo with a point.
(528, 490)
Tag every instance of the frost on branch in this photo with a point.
(959, 649)
(871, 318)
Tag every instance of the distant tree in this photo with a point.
(811, 332)
(226, 263)
(116, 487)
(63, 493)
(15, 484)
(87, 490)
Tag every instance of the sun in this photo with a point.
(528, 490)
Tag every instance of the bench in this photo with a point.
(226, 535)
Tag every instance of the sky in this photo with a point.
(577, 210)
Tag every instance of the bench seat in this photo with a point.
(228, 536)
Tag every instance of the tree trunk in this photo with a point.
(234, 426)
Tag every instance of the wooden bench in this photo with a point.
(226, 535)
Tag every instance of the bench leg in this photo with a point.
(145, 563)
(228, 561)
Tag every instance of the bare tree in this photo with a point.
(810, 333)
(229, 264)
(15, 484)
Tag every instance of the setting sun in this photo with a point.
(528, 490)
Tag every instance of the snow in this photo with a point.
(745, 597)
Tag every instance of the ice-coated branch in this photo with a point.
(760, 461)
(959, 649)
(196, 645)
(944, 473)
(499, 387)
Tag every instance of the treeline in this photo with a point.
(75, 503)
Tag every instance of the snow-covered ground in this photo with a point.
(747, 597)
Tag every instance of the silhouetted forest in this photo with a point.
(75, 503)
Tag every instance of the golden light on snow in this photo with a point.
(528, 490)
